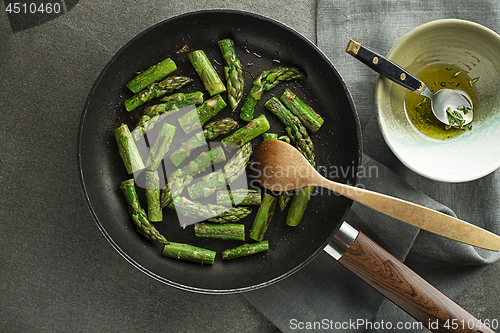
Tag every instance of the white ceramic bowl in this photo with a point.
(469, 47)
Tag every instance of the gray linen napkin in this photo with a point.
(323, 290)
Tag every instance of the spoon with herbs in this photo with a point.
(279, 166)
(451, 107)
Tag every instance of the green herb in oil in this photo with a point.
(418, 109)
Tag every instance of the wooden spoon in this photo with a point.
(281, 167)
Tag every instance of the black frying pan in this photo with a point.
(261, 43)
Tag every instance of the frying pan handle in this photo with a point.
(384, 66)
(393, 279)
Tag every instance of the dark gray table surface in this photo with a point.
(59, 274)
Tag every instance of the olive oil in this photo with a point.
(418, 107)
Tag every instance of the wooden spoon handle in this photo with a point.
(418, 216)
(406, 289)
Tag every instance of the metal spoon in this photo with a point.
(446, 104)
(279, 166)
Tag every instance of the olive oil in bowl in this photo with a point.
(418, 107)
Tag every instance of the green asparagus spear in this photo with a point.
(182, 177)
(294, 128)
(263, 217)
(128, 149)
(298, 206)
(285, 196)
(214, 181)
(153, 196)
(222, 126)
(267, 80)
(173, 189)
(231, 215)
(210, 212)
(299, 136)
(197, 117)
(311, 120)
(189, 253)
(156, 90)
(266, 209)
(233, 72)
(148, 122)
(138, 214)
(241, 196)
(284, 138)
(183, 152)
(178, 100)
(156, 113)
(269, 136)
(253, 129)
(200, 163)
(172, 103)
(161, 146)
(207, 73)
(151, 75)
(211, 131)
(222, 231)
(209, 183)
(245, 250)
(195, 97)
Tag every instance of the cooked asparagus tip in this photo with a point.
(156, 90)
(267, 80)
(241, 196)
(245, 250)
(298, 206)
(294, 128)
(222, 126)
(138, 214)
(173, 189)
(263, 217)
(197, 117)
(285, 198)
(165, 107)
(195, 97)
(214, 181)
(233, 72)
(173, 103)
(253, 129)
(148, 122)
(231, 215)
(161, 146)
(284, 138)
(212, 213)
(222, 231)
(128, 149)
(189, 253)
(207, 73)
(182, 177)
(311, 120)
(153, 196)
(153, 74)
